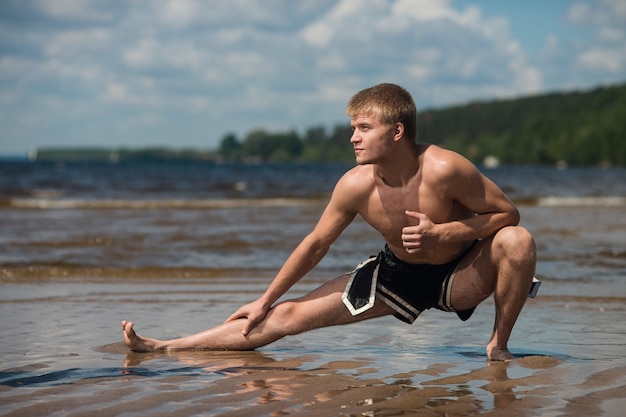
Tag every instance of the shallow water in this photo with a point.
(61, 356)
(84, 249)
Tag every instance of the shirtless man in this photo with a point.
(451, 241)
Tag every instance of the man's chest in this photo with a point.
(386, 208)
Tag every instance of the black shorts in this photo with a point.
(407, 288)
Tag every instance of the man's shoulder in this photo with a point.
(431, 150)
(360, 173)
(359, 180)
(437, 154)
(441, 162)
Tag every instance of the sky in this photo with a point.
(185, 73)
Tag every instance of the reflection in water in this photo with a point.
(291, 385)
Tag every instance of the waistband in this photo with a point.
(392, 260)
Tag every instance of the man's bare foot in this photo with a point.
(499, 354)
(137, 343)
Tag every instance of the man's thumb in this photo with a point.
(414, 214)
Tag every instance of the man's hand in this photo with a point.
(254, 312)
(419, 237)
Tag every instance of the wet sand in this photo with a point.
(62, 356)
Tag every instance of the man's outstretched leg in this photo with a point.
(503, 265)
(321, 308)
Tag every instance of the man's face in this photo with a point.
(371, 138)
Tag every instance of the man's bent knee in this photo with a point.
(516, 244)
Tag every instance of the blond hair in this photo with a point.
(390, 102)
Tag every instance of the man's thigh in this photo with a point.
(475, 277)
(326, 308)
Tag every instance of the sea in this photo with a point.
(176, 246)
(189, 217)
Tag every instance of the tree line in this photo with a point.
(579, 128)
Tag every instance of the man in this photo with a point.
(451, 241)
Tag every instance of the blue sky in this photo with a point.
(184, 73)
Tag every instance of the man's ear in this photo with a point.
(398, 131)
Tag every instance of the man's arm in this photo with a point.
(337, 215)
(460, 181)
(493, 209)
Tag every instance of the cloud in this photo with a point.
(137, 72)
(604, 59)
(420, 43)
(601, 12)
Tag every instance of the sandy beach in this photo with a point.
(62, 356)
(85, 246)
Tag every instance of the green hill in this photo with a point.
(584, 128)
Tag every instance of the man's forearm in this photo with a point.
(304, 258)
(477, 227)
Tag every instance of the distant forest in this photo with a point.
(577, 128)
